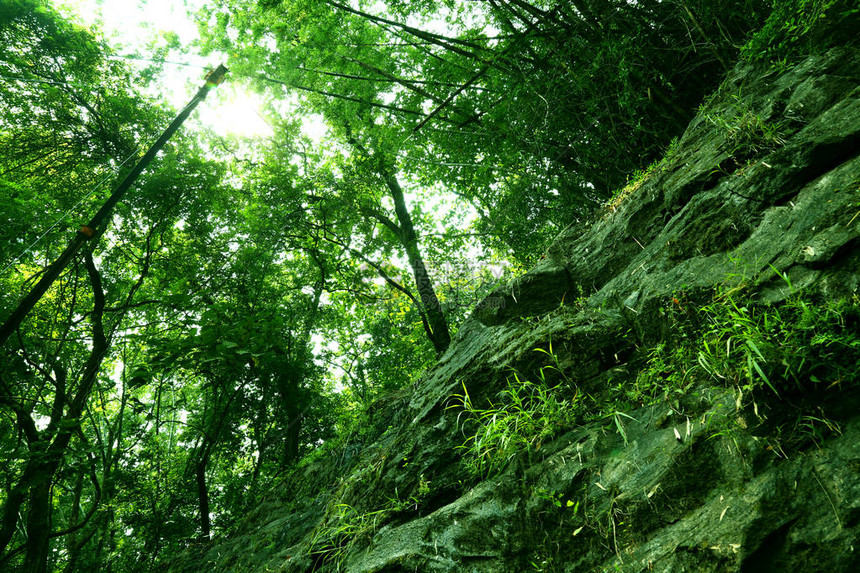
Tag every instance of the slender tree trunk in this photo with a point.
(203, 499)
(14, 500)
(294, 430)
(287, 381)
(39, 510)
(75, 516)
(75, 551)
(436, 324)
(440, 335)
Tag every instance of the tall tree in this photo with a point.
(73, 115)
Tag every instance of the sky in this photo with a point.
(130, 24)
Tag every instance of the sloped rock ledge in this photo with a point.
(677, 494)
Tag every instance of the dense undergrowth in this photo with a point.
(785, 363)
(791, 353)
(799, 28)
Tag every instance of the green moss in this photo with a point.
(639, 177)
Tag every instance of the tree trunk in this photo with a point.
(439, 336)
(203, 499)
(291, 448)
(39, 510)
(75, 516)
(14, 500)
(287, 381)
(39, 520)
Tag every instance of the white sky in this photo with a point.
(130, 24)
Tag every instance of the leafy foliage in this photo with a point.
(255, 302)
(798, 346)
(526, 415)
(798, 28)
(504, 110)
(791, 355)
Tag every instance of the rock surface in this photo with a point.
(766, 178)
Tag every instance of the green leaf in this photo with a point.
(754, 348)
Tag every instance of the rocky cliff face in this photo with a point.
(759, 201)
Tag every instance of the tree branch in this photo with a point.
(350, 98)
(373, 213)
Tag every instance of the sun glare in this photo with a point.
(131, 26)
(234, 112)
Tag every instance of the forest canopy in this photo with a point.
(242, 308)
